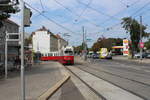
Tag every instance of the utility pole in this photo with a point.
(83, 40)
(22, 52)
(84, 43)
(6, 54)
(83, 36)
(141, 37)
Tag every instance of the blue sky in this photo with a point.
(73, 14)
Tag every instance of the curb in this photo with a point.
(46, 95)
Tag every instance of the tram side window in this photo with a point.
(51, 54)
(45, 55)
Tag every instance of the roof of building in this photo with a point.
(44, 29)
(59, 37)
(10, 21)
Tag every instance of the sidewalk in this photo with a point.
(38, 79)
(124, 58)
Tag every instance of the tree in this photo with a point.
(133, 27)
(106, 43)
(28, 40)
(79, 48)
(6, 8)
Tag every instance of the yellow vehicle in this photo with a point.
(103, 53)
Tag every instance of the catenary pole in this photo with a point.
(141, 37)
(85, 46)
(6, 54)
(83, 41)
(22, 52)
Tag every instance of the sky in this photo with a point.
(100, 18)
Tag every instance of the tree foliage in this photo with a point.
(6, 8)
(79, 48)
(28, 41)
(106, 43)
(132, 27)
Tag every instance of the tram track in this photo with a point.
(98, 94)
(128, 67)
(118, 75)
(132, 92)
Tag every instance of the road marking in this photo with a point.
(109, 91)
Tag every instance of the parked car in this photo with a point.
(147, 55)
(95, 56)
(90, 55)
(137, 55)
(109, 56)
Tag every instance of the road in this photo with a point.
(102, 79)
(94, 79)
(129, 76)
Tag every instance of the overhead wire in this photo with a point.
(123, 3)
(84, 10)
(133, 15)
(111, 27)
(140, 8)
(119, 12)
(49, 19)
(43, 10)
(69, 10)
(42, 6)
(100, 12)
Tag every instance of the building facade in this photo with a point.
(61, 43)
(45, 42)
(13, 47)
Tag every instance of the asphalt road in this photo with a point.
(133, 77)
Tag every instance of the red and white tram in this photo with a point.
(66, 56)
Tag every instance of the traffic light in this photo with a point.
(27, 16)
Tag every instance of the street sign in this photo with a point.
(88, 39)
(13, 37)
(141, 44)
(9, 37)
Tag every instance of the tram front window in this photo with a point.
(69, 52)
